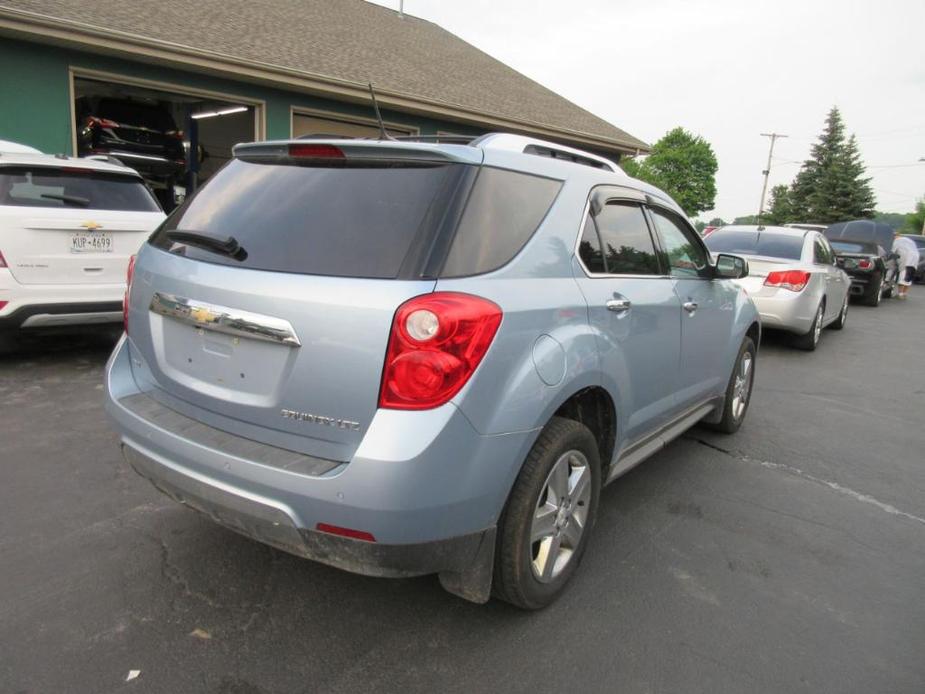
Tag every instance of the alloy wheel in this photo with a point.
(742, 388)
(817, 326)
(561, 515)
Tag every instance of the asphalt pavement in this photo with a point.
(789, 557)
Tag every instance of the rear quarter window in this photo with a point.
(504, 210)
(78, 189)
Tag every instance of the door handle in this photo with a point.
(619, 305)
(690, 306)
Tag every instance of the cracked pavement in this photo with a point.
(787, 558)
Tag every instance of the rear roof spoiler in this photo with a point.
(367, 150)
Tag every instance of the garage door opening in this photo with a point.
(154, 131)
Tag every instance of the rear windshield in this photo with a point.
(79, 189)
(853, 247)
(135, 113)
(379, 222)
(755, 243)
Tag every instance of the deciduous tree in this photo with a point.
(684, 166)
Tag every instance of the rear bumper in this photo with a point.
(793, 313)
(426, 485)
(272, 524)
(61, 315)
(53, 305)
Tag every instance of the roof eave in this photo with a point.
(35, 26)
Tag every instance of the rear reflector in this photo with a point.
(794, 280)
(345, 532)
(316, 151)
(3, 304)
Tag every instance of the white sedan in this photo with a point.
(792, 278)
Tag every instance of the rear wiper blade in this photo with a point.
(71, 199)
(224, 245)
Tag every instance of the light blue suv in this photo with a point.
(404, 358)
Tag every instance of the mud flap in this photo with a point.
(474, 582)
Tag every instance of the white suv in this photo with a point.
(68, 227)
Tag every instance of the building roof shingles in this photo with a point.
(347, 40)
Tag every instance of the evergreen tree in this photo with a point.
(831, 186)
(857, 195)
(780, 210)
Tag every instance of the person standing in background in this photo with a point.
(908, 261)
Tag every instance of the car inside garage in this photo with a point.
(154, 130)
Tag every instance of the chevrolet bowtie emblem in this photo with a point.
(91, 225)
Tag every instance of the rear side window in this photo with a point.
(853, 247)
(134, 113)
(504, 209)
(754, 243)
(617, 242)
(78, 189)
(343, 222)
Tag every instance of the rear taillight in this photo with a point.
(103, 122)
(129, 276)
(437, 342)
(3, 304)
(794, 280)
(2, 260)
(864, 264)
(309, 151)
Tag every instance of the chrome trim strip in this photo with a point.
(649, 444)
(52, 319)
(221, 319)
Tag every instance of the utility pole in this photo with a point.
(767, 171)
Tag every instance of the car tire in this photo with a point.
(533, 559)
(739, 390)
(7, 343)
(839, 322)
(873, 298)
(810, 340)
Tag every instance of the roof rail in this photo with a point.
(108, 158)
(542, 148)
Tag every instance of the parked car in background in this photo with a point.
(793, 278)
(68, 227)
(869, 266)
(403, 358)
(873, 232)
(919, 241)
(140, 132)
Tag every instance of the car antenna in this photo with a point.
(383, 135)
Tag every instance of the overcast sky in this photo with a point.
(727, 70)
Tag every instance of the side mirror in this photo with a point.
(731, 267)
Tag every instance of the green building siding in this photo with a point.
(35, 108)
